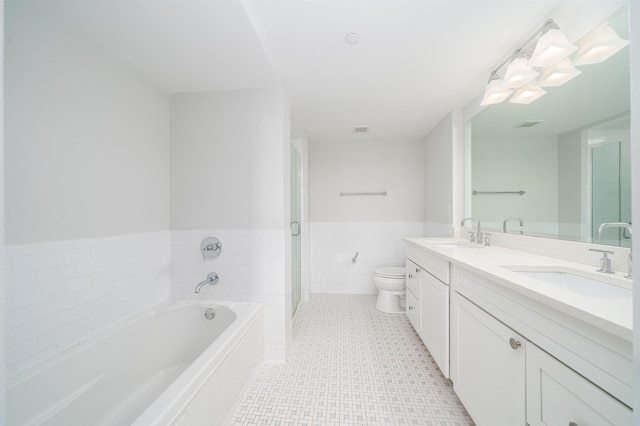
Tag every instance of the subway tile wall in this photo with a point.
(250, 267)
(334, 245)
(61, 293)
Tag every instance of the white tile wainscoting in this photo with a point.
(334, 244)
(61, 293)
(251, 267)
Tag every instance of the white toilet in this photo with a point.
(391, 284)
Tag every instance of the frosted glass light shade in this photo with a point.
(495, 93)
(527, 94)
(558, 74)
(598, 46)
(519, 73)
(552, 47)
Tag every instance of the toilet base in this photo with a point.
(391, 302)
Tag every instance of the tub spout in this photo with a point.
(212, 278)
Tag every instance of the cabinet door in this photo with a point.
(413, 310)
(557, 395)
(487, 365)
(434, 319)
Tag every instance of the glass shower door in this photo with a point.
(296, 273)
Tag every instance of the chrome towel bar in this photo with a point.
(521, 192)
(348, 194)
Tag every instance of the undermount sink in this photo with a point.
(576, 282)
(457, 245)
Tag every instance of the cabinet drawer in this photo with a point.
(413, 310)
(557, 395)
(413, 278)
(437, 267)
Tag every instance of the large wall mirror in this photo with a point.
(561, 165)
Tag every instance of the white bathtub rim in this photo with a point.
(175, 398)
(165, 305)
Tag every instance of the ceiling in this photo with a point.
(415, 61)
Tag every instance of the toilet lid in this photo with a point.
(390, 272)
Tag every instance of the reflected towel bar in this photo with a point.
(348, 194)
(521, 192)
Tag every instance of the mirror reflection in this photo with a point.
(560, 166)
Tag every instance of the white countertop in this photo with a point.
(614, 315)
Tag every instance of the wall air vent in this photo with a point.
(361, 129)
(528, 124)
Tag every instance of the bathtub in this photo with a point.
(169, 366)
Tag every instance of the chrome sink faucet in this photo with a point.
(478, 236)
(212, 278)
(623, 225)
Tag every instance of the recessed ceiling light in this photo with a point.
(352, 38)
(361, 129)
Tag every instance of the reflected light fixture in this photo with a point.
(496, 92)
(598, 45)
(527, 94)
(558, 74)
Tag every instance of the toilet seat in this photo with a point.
(393, 272)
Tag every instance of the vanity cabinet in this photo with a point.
(557, 395)
(428, 303)
(487, 365)
(515, 362)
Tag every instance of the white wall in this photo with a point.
(87, 142)
(87, 190)
(438, 179)
(372, 226)
(366, 166)
(230, 179)
(226, 160)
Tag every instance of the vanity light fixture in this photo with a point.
(527, 94)
(496, 91)
(547, 47)
(598, 45)
(552, 46)
(519, 73)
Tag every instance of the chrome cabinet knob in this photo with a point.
(410, 276)
(410, 308)
(515, 344)
(417, 270)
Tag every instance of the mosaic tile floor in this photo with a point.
(349, 364)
